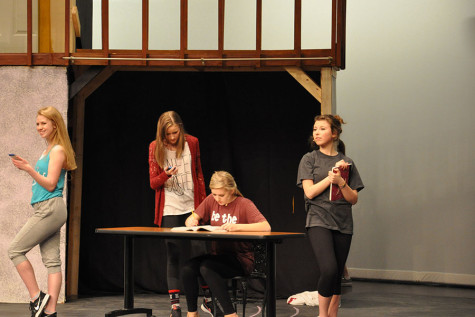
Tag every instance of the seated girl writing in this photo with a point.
(227, 208)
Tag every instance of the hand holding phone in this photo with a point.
(171, 170)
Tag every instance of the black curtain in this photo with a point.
(253, 124)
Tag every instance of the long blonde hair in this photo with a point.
(222, 179)
(166, 120)
(60, 135)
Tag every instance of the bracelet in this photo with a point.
(344, 185)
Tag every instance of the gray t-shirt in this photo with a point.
(321, 212)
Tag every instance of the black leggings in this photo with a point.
(215, 270)
(179, 250)
(331, 248)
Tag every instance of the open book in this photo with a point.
(199, 228)
(335, 192)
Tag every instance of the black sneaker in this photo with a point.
(50, 315)
(39, 304)
(176, 311)
(208, 307)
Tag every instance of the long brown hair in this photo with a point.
(60, 135)
(335, 122)
(222, 179)
(166, 120)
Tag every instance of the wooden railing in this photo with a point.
(184, 57)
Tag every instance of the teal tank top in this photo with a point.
(39, 192)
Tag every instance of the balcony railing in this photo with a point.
(260, 49)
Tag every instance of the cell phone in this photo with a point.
(169, 168)
(13, 156)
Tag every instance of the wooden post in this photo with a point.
(105, 27)
(145, 29)
(29, 32)
(74, 223)
(328, 82)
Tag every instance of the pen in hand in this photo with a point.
(191, 221)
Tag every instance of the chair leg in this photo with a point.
(244, 297)
(214, 304)
(264, 303)
(234, 293)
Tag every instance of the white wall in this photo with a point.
(408, 94)
(24, 90)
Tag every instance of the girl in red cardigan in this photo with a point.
(177, 178)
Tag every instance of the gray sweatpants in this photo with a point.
(42, 228)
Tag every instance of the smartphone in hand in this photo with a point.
(13, 156)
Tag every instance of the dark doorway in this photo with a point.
(253, 124)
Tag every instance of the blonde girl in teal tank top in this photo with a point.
(43, 228)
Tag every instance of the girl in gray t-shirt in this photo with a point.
(329, 222)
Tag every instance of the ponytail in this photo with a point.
(341, 147)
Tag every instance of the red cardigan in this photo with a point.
(158, 177)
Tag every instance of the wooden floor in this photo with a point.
(362, 299)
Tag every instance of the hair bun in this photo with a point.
(340, 119)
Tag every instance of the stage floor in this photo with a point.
(362, 299)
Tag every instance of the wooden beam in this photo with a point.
(258, 30)
(328, 81)
(341, 36)
(305, 81)
(298, 29)
(326, 94)
(98, 81)
(221, 11)
(105, 27)
(67, 29)
(76, 21)
(85, 78)
(183, 28)
(29, 32)
(145, 33)
(75, 202)
(334, 29)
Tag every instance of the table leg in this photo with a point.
(270, 310)
(129, 283)
(129, 272)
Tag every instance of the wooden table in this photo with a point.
(270, 238)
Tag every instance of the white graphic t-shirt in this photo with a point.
(179, 197)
